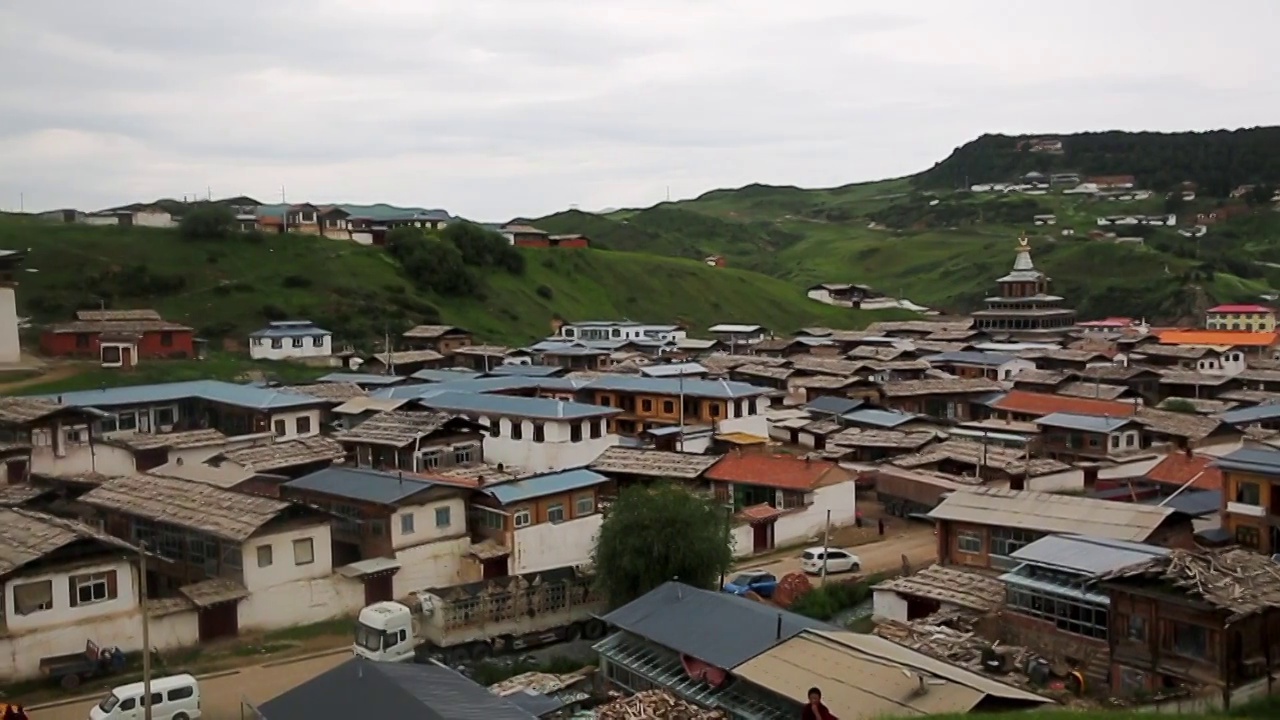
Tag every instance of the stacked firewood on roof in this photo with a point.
(655, 704)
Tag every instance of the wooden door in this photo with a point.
(762, 537)
(377, 588)
(16, 471)
(219, 621)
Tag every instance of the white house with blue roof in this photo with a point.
(290, 340)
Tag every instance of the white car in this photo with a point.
(837, 561)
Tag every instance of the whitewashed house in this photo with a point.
(416, 442)
(532, 434)
(619, 330)
(396, 533)
(290, 340)
(538, 523)
(936, 588)
(735, 335)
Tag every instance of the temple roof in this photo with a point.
(1023, 269)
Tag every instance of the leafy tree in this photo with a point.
(207, 221)
(1174, 204)
(1260, 194)
(483, 248)
(1179, 405)
(660, 533)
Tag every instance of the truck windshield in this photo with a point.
(367, 638)
(108, 703)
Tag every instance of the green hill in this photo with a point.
(227, 288)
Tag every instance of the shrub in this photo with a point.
(827, 601)
(544, 292)
(273, 312)
(296, 281)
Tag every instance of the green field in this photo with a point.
(227, 288)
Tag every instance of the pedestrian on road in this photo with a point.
(815, 710)
(881, 521)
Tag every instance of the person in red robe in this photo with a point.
(815, 710)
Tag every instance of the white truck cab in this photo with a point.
(386, 632)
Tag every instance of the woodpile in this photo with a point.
(1240, 582)
(951, 636)
(790, 588)
(655, 704)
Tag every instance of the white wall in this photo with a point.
(283, 569)
(555, 453)
(1011, 369)
(62, 613)
(20, 653)
(743, 540)
(290, 418)
(433, 565)
(424, 523)
(10, 349)
(101, 220)
(301, 602)
(751, 424)
(800, 526)
(260, 348)
(362, 238)
(153, 218)
(80, 457)
(552, 545)
(888, 605)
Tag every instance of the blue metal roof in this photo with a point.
(361, 378)
(673, 370)
(877, 418)
(1196, 503)
(375, 486)
(526, 371)
(674, 386)
(1085, 423)
(475, 385)
(543, 485)
(969, 357)
(1252, 414)
(507, 405)
(247, 396)
(447, 375)
(1266, 462)
(289, 328)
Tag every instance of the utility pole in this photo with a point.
(826, 542)
(728, 532)
(146, 629)
(284, 214)
(680, 437)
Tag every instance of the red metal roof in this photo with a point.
(1228, 338)
(1179, 468)
(1033, 403)
(779, 471)
(1240, 309)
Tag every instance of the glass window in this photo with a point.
(597, 429)
(166, 415)
(280, 428)
(575, 432)
(539, 432)
(1137, 628)
(317, 341)
(1190, 640)
(303, 551)
(128, 420)
(276, 344)
(406, 523)
(523, 518)
(646, 405)
(297, 342)
(464, 454)
(555, 512)
(495, 427)
(129, 704)
(304, 425)
(668, 407)
(443, 517)
(89, 589)
(264, 556)
(33, 597)
(1249, 537)
(1249, 493)
(181, 693)
(584, 504)
(517, 429)
(969, 542)
(431, 459)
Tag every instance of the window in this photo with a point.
(443, 517)
(1249, 493)
(1249, 537)
(464, 454)
(1130, 439)
(1115, 441)
(668, 407)
(1007, 541)
(646, 405)
(166, 416)
(969, 542)
(276, 344)
(82, 341)
(597, 429)
(713, 409)
(166, 339)
(431, 459)
(297, 342)
(181, 693)
(280, 428)
(555, 512)
(522, 518)
(128, 704)
(92, 588)
(491, 519)
(111, 354)
(584, 505)
(575, 432)
(304, 552)
(495, 427)
(33, 597)
(317, 341)
(539, 432)
(108, 424)
(303, 424)
(1188, 640)
(264, 556)
(406, 524)
(1137, 629)
(517, 429)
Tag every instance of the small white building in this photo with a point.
(936, 588)
(619, 330)
(735, 334)
(290, 339)
(533, 434)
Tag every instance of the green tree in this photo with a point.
(660, 533)
(207, 221)
(483, 248)
(1179, 405)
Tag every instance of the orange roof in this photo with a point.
(759, 513)
(1217, 337)
(1179, 468)
(778, 471)
(1033, 403)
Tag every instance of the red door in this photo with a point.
(219, 621)
(377, 588)
(762, 537)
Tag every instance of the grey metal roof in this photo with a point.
(359, 688)
(526, 371)
(543, 485)
(446, 375)
(832, 405)
(375, 486)
(464, 385)
(970, 357)
(673, 370)
(715, 627)
(509, 406)
(1085, 423)
(1266, 462)
(1196, 503)
(877, 418)
(360, 378)
(1086, 555)
(289, 328)
(1253, 414)
(248, 396)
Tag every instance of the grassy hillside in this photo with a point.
(227, 288)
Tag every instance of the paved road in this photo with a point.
(915, 540)
(220, 696)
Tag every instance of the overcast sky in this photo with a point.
(498, 108)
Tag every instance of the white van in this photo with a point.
(176, 697)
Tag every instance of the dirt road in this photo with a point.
(915, 540)
(220, 696)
